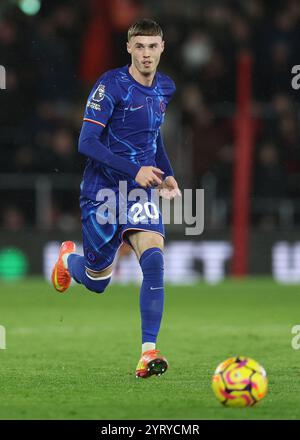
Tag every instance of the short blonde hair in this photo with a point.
(144, 27)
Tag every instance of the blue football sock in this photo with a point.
(77, 269)
(152, 293)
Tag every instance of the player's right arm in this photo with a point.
(99, 109)
(91, 146)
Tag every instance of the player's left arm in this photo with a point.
(168, 189)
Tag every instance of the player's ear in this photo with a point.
(128, 47)
(162, 46)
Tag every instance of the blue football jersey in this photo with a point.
(131, 115)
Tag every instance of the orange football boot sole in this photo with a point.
(151, 363)
(61, 278)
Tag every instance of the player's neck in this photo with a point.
(146, 81)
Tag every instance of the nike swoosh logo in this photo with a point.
(133, 109)
(155, 288)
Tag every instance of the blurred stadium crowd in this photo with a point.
(53, 58)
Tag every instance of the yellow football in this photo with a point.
(239, 381)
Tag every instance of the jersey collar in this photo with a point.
(138, 83)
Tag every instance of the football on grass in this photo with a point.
(239, 381)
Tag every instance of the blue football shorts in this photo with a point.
(105, 222)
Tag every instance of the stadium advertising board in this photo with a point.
(187, 261)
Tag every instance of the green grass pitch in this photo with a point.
(73, 356)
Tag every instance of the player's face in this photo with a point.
(145, 53)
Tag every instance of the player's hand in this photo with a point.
(149, 176)
(169, 188)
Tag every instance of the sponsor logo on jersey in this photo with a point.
(94, 106)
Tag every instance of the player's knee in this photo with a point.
(97, 285)
(152, 261)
